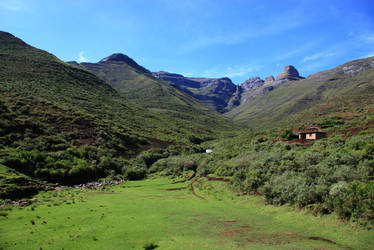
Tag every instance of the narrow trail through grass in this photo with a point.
(157, 213)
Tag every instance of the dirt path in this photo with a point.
(193, 190)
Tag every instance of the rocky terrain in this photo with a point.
(216, 93)
(221, 94)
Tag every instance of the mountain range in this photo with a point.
(287, 99)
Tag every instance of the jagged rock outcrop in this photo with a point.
(252, 83)
(213, 92)
(223, 83)
(235, 99)
(269, 80)
(289, 73)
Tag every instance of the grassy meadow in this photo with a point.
(156, 213)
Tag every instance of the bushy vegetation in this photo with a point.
(333, 174)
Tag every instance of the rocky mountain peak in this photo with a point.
(289, 73)
(269, 80)
(252, 83)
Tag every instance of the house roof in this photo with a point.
(311, 129)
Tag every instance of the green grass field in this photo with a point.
(141, 214)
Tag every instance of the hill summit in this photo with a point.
(121, 58)
(289, 73)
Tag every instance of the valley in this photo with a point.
(198, 162)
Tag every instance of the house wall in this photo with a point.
(321, 135)
(311, 136)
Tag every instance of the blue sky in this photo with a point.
(205, 38)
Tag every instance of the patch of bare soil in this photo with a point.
(193, 190)
(322, 239)
(303, 142)
(276, 238)
(211, 178)
(232, 233)
(176, 189)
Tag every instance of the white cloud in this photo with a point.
(81, 57)
(319, 55)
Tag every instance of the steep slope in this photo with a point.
(137, 84)
(216, 93)
(348, 87)
(61, 123)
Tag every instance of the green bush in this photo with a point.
(287, 134)
(354, 200)
(133, 173)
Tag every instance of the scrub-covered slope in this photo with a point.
(348, 88)
(60, 123)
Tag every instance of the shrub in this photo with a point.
(354, 200)
(133, 173)
(152, 155)
(287, 134)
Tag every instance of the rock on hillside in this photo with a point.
(269, 80)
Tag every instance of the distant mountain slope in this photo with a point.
(137, 84)
(347, 87)
(221, 94)
(215, 93)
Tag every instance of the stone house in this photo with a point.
(311, 133)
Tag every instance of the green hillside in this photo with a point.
(346, 92)
(60, 123)
(137, 84)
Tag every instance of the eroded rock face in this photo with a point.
(289, 73)
(269, 80)
(218, 93)
(252, 83)
(176, 78)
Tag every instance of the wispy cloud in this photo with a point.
(231, 71)
(13, 5)
(238, 35)
(319, 55)
(369, 55)
(298, 51)
(367, 38)
(81, 57)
